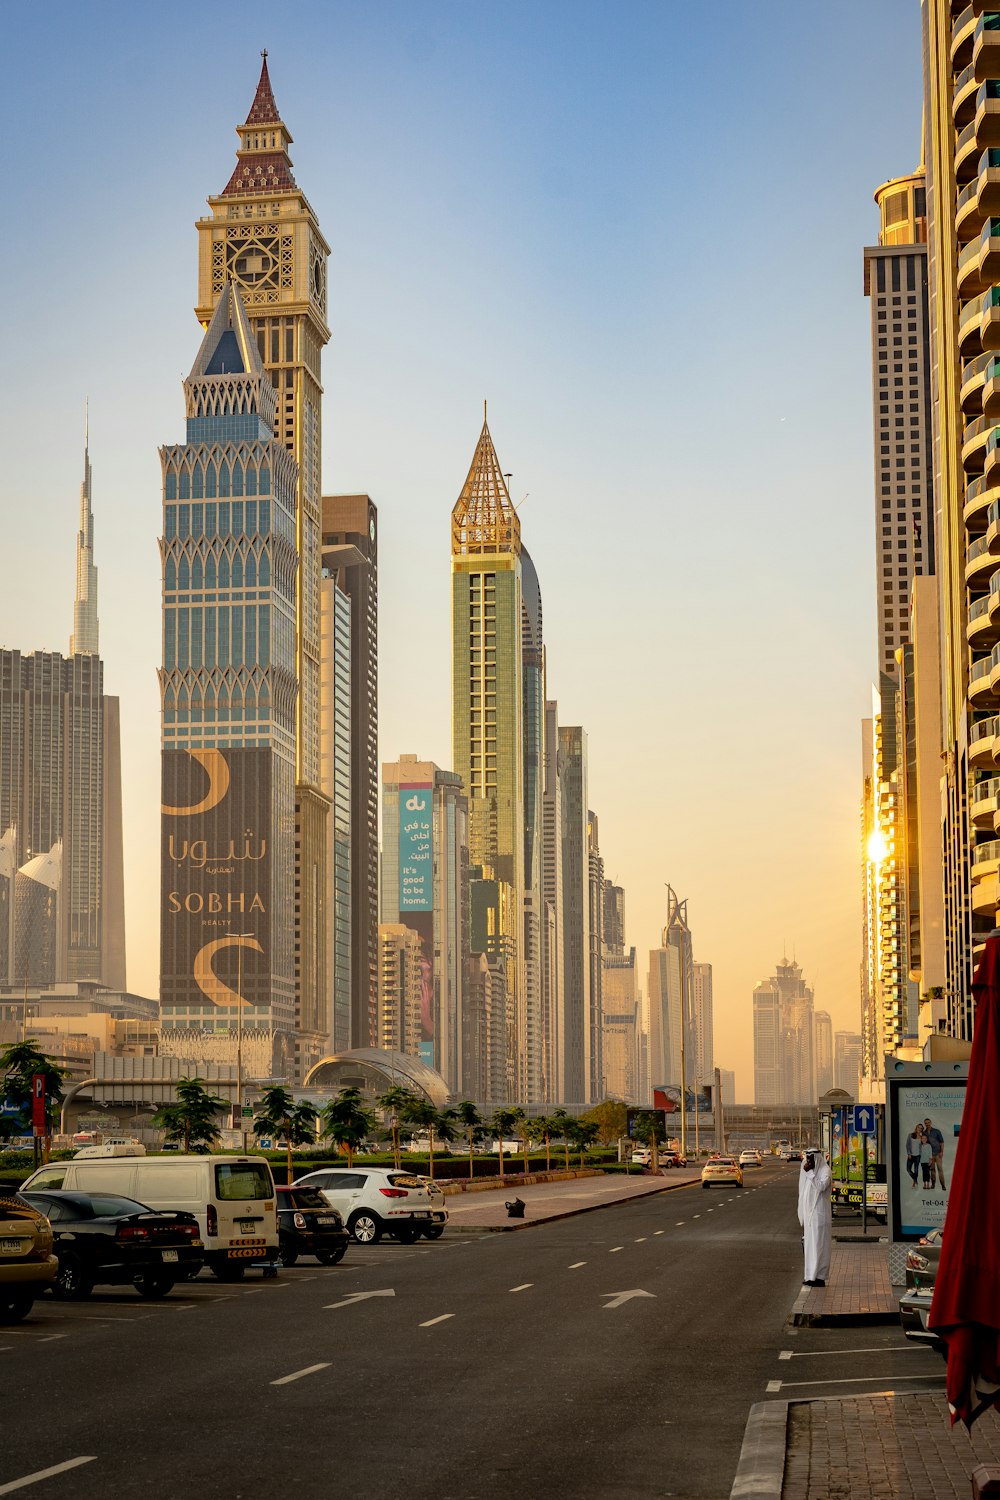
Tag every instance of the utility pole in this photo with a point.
(239, 936)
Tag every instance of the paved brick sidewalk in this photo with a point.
(896, 1447)
(857, 1290)
(483, 1212)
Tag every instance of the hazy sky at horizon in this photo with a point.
(637, 228)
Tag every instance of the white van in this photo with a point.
(232, 1198)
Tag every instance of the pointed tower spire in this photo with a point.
(84, 640)
(262, 161)
(484, 520)
(228, 377)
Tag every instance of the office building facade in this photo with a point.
(783, 1039)
(577, 1042)
(337, 779)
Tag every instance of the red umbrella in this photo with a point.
(965, 1312)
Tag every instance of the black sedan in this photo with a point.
(103, 1238)
(307, 1225)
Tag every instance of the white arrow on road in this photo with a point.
(358, 1297)
(617, 1298)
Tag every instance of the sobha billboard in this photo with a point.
(219, 926)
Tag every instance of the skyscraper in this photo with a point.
(702, 1025)
(552, 894)
(425, 885)
(620, 1003)
(60, 796)
(263, 234)
(488, 625)
(576, 1041)
(783, 1045)
(823, 1040)
(595, 897)
(401, 989)
(228, 690)
(847, 1061)
(350, 558)
(537, 1077)
(337, 761)
(671, 972)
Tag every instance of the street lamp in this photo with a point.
(239, 938)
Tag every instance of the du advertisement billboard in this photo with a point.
(216, 876)
(416, 894)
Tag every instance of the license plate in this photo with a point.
(421, 1216)
(10, 1247)
(170, 1255)
(247, 1226)
(326, 1221)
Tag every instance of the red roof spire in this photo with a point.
(263, 110)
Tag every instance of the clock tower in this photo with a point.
(263, 234)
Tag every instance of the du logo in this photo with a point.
(416, 803)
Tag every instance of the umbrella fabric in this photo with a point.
(965, 1312)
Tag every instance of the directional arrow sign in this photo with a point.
(617, 1298)
(362, 1296)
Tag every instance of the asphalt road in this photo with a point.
(501, 1365)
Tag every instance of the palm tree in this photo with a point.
(19, 1062)
(394, 1102)
(473, 1122)
(279, 1114)
(422, 1114)
(193, 1119)
(347, 1120)
(501, 1123)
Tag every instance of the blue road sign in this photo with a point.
(864, 1119)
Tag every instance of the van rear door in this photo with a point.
(244, 1202)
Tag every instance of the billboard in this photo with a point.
(216, 881)
(416, 861)
(925, 1118)
(847, 1154)
(668, 1096)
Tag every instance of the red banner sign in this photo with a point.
(38, 1102)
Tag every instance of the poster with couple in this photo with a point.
(926, 1121)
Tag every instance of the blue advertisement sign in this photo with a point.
(416, 862)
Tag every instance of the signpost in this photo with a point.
(863, 1120)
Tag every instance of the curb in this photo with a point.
(799, 1318)
(567, 1213)
(760, 1472)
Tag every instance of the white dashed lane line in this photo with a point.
(40, 1474)
(576, 1265)
(298, 1374)
(442, 1319)
(523, 1287)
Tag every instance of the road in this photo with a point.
(502, 1364)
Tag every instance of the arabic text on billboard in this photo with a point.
(416, 864)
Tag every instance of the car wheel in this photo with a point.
(226, 1270)
(705, 1186)
(365, 1227)
(154, 1287)
(71, 1284)
(287, 1258)
(434, 1233)
(331, 1257)
(15, 1306)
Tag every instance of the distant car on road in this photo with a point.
(751, 1158)
(641, 1156)
(307, 1225)
(721, 1171)
(27, 1265)
(115, 1241)
(673, 1159)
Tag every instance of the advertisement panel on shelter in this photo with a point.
(216, 876)
(848, 1151)
(927, 1116)
(416, 895)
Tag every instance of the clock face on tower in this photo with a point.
(371, 527)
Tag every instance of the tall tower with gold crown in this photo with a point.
(263, 234)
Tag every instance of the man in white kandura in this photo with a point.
(815, 1216)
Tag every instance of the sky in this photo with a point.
(637, 230)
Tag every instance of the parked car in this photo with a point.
(922, 1261)
(914, 1310)
(307, 1225)
(750, 1158)
(673, 1159)
(722, 1171)
(439, 1210)
(232, 1197)
(27, 1265)
(103, 1238)
(641, 1157)
(374, 1201)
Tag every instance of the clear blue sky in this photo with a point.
(636, 228)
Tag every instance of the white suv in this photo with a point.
(373, 1201)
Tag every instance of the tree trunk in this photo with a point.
(288, 1140)
(548, 1154)
(566, 1149)
(350, 1152)
(471, 1173)
(430, 1138)
(501, 1156)
(524, 1144)
(187, 1137)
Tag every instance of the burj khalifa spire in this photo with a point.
(83, 641)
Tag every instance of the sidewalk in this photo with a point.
(484, 1212)
(857, 1292)
(896, 1447)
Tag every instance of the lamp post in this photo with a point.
(239, 939)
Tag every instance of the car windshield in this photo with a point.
(243, 1179)
(110, 1206)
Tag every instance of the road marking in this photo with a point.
(616, 1249)
(641, 1240)
(785, 1354)
(309, 1370)
(523, 1287)
(20, 1484)
(576, 1265)
(854, 1380)
(618, 1298)
(254, 1291)
(698, 1216)
(353, 1297)
(660, 1231)
(50, 1337)
(774, 1385)
(834, 1353)
(442, 1319)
